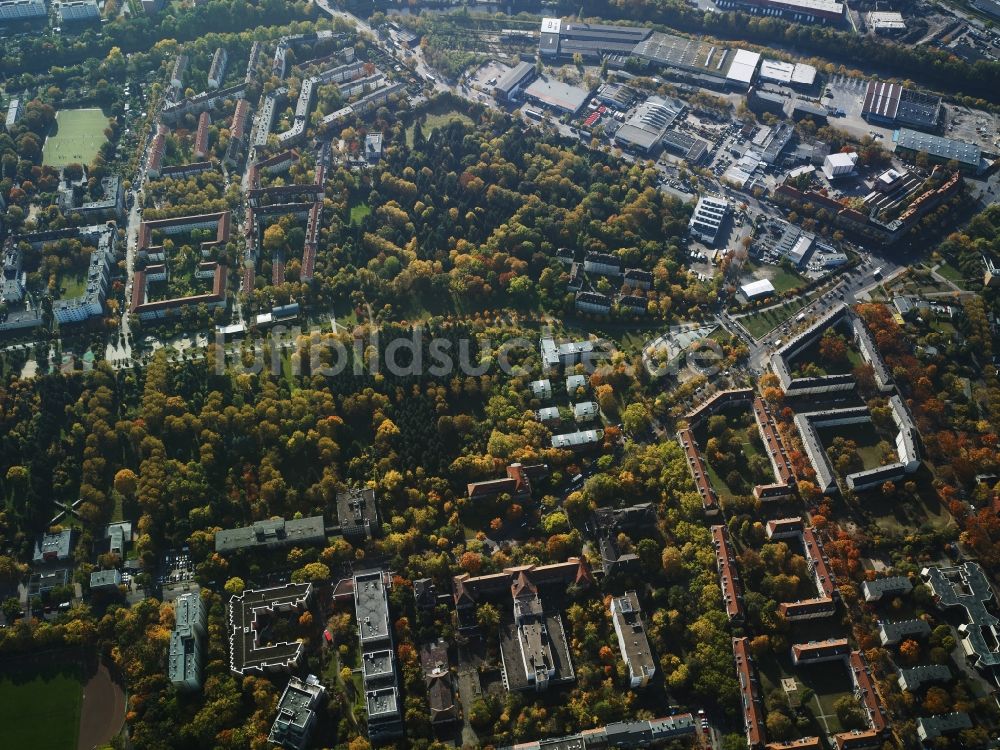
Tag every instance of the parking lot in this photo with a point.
(491, 71)
(848, 94)
(961, 123)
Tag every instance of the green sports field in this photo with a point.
(78, 136)
(40, 703)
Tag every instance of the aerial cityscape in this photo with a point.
(516, 375)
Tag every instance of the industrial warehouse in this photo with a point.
(713, 64)
(890, 104)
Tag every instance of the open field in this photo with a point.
(40, 703)
(358, 212)
(77, 138)
(783, 280)
(103, 712)
(948, 271)
(437, 120)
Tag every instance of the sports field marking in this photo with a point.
(79, 135)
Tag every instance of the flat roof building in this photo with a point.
(770, 142)
(644, 130)
(53, 547)
(685, 54)
(885, 22)
(799, 109)
(357, 514)
(891, 633)
(574, 352)
(803, 11)
(554, 94)
(185, 660)
(621, 734)
(549, 353)
(776, 71)
(914, 678)
(371, 610)
(511, 83)
(15, 11)
(273, 533)
(911, 143)
(626, 615)
(759, 289)
(891, 104)
(932, 727)
(296, 713)
(688, 146)
(708, 217)
(248, 616)
(616, 95)
(14, 111)
(78, 11)
(574, 383)
(839, 165)
(803, 75)
(566, 38)
(105, 580)
(967, 586)
(889, 586)
(743, 69)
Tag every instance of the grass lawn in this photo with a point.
(866, 437)
(72, 286)
(437, 120)
(358, 212)
(951, 273)
(829, 682)
(811, 355)
(904, 516)
(118, 514)
(77, 137)
(630, 339)
(944, 327)
(760, 323)
(735, 417)
(40, 704)
(783, 280)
